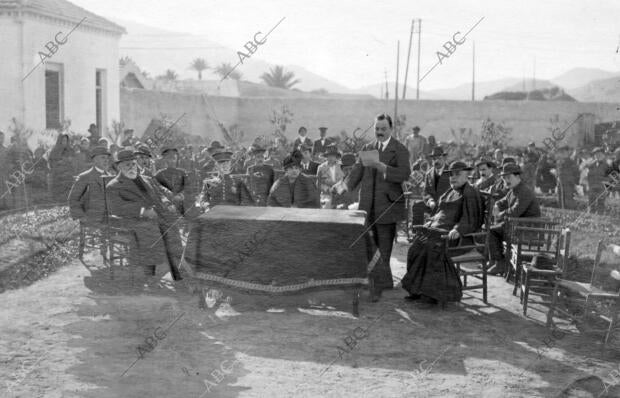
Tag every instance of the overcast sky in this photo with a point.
(353, 42)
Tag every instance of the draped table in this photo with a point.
(274, 250)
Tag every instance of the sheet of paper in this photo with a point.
(369, 157)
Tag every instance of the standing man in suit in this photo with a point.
(146, 209)
(320, 145)
(436, 183)
(86, 198)
(302, 139)
(381, 196)
(308, 166)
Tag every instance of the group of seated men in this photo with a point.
(151, 207)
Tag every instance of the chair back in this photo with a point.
(546, 242)
(597, 259)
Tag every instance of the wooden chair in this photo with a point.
(516, 252)
(117, 240)
(91, 237)
(587, 295)
(554, 249)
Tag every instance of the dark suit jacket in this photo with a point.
(86, 198)
(378, 193)
(435, 185)
(305, 194)
(297, 144)
(313, 168)
(320, 148)
(520, 201)
(126, 199)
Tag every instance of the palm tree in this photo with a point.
(225, 69)
(278, 78)
(199, 64)
(169, 75)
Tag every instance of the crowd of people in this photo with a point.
(147, 189)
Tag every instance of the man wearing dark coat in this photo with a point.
(225, 189)
(321, 144)
(430, 274)
(145, 208)
(293, 189)
(520, 201)
(308, 166)
(436, 183)
(175, 179)
(86, 198)
(261, 177)
(381, 196)
(567, 177)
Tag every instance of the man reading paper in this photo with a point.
(381, 195)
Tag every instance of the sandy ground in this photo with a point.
(77, 332)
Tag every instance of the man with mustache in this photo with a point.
(381, 196)
(145, 208)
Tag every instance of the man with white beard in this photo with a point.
(145, 208)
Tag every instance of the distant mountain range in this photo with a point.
(155, 50)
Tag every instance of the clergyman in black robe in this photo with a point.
(430, 273)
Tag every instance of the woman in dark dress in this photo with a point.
(430, 273)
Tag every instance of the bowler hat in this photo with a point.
(510, 168)
(223, 156)
(332, 150)
(322, 128)
(255, 148)
(125, 155)
(457, 166)
(168, 148)
(437, 152)
(289, 162)
(215, 146)
(531, 143)
(508, 160)
(491, 164)
(416, 128)
(143, 150)
(348, 159)
(99, 150)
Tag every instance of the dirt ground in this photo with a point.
(76, 333)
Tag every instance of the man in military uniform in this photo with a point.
(175, 179)
(597, 175)
(436, 183)
(86, 198)
(520, 201)
(261, 176)
(225, 189)
(567, 177)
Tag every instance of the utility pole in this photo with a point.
(396, 89)
(417, 91)
(387, 91)
(408, 54)
(473, 74)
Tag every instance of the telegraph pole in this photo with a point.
(473, 75)
(417, 91)
(396, 89)
(408, 54)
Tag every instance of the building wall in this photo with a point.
(85, 51)
(530, 120)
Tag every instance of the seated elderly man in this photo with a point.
(431, 276)
(293, 189)
(86, 198)
(146, 209)
(520, 201)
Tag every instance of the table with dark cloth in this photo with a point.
(278, 250)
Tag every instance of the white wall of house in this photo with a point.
(86, 50)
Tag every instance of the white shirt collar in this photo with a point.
(385, 143)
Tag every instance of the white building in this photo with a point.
(78, 79)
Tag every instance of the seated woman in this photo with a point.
(293, 189)
(430, 273)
